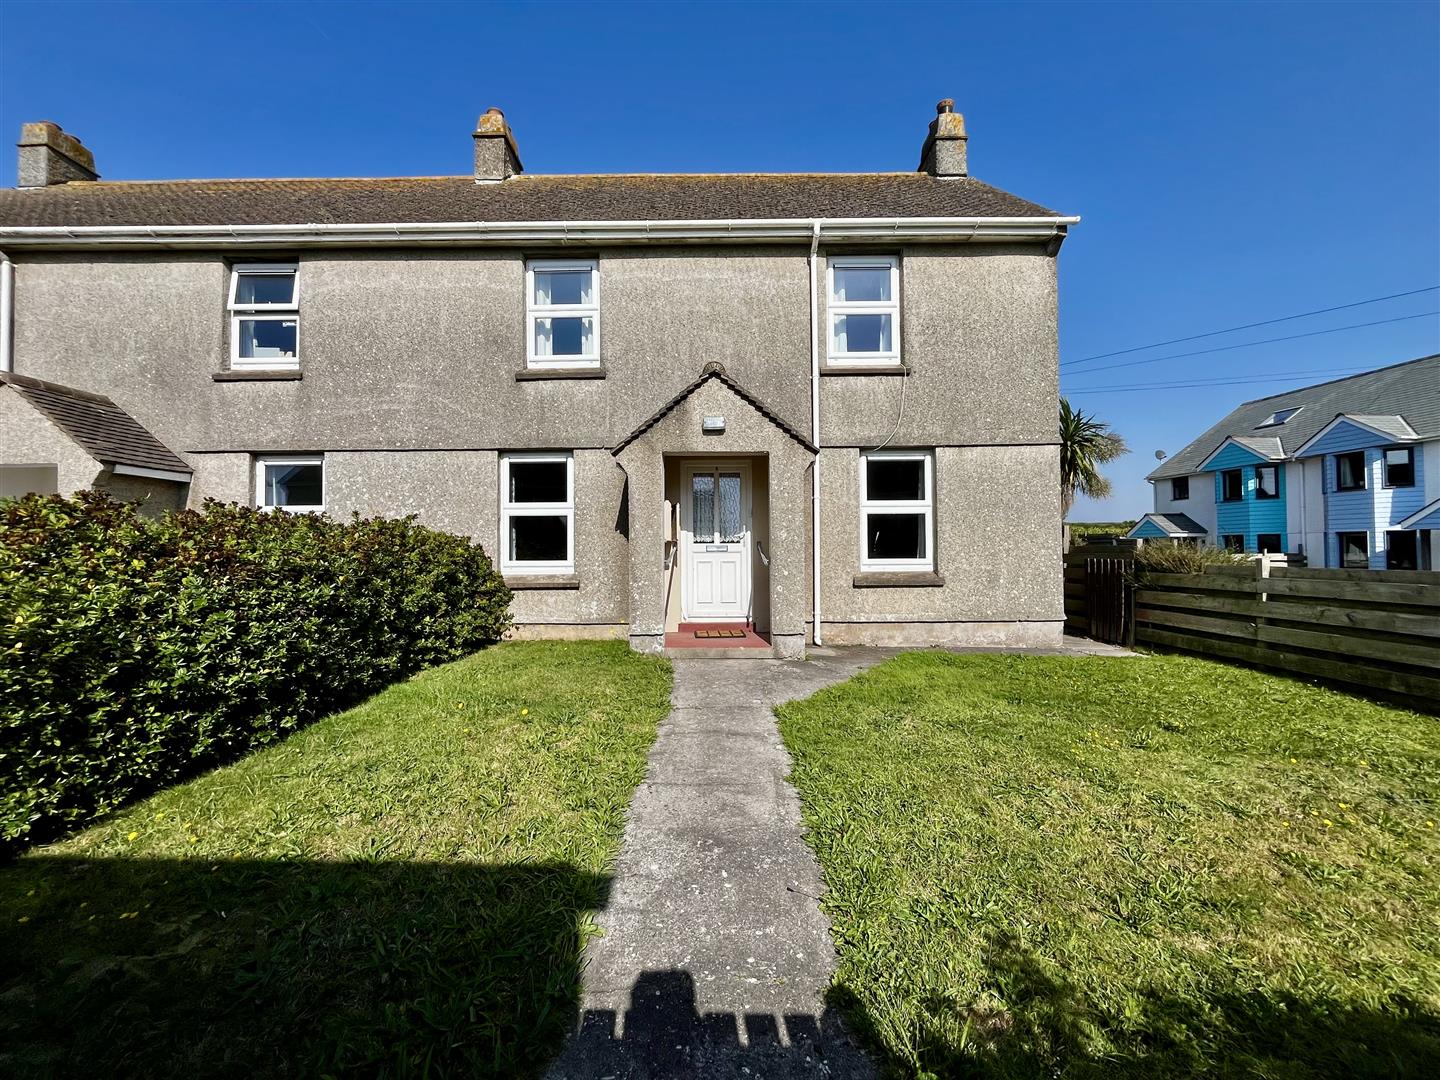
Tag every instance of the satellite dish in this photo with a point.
(1159, 455)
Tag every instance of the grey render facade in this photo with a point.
(712, 367)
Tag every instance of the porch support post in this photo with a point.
(645, 481)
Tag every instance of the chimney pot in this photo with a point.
(943, 154)
(48, 155)
(496, 157)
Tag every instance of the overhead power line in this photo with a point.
(1248, 326)
(1234, 380)
(1248, 344)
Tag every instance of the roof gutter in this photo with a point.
(707, 230)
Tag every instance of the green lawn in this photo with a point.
(1153, 867)
(400, 889)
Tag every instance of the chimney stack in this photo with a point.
(49, 156)
(944, 151)
(496, 158)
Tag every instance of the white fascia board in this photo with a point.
(1420, 515)
(739, 230)
(1345, 418)
(151, 474)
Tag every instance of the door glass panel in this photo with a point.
(731, 528)
(702, 506)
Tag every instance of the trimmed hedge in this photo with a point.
(136, 652)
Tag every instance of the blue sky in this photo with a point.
(1232, 163)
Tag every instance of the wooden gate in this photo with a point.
(1107, 598)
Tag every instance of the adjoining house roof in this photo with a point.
(103, 430)
(1422, 518)
(1410, 391)
(1172, 525)
(715, 371)
(1394, 426)
(620, 197)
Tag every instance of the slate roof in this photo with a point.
(1394, 426)
(715, 371)
(104, 430)
(1173, 524)
(1410, 390)
(636, 197)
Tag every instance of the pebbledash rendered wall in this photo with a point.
(409, 362)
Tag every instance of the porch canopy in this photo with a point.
(750, 429)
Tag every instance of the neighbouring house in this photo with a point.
(792, 407)
(1346, 473)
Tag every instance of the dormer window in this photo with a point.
(1279, 416)
(265, 315)
(864, 309)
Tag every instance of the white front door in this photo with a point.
(715, 538)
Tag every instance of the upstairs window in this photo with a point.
(1232, 486)
(1180, 489)
(1267, 482)
(864, 309)
(1400, 467)
(291, 483)
(1350, 471)
(897, 508)
(264, 315)
(537, 513)
(563, 312)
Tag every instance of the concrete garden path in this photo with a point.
(716, 956)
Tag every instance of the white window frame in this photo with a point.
(262, 460)
(263, 313)
(924, 506)
(534, 311)
(509, 510)
(834, 309)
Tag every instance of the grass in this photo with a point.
(1082, 530)
(400, 889)
(1164, 866)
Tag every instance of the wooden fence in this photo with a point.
(1096, 599)
(1374, 629)
(1377, 629)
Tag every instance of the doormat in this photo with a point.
(719, 633)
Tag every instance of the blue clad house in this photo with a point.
(1346, 473)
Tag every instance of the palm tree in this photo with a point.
(1085, 444)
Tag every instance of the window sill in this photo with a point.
(259, 375)
(898, 579)
(542, 581)
(535, 374)
(864, 369)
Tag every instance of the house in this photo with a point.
(1346, 473)
(797, 407)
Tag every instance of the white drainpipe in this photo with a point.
(815, 434)
(7, 313)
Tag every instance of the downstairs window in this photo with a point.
(537, 513)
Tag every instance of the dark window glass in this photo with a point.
(1233, 542)
(1400, 467)
(1401, 551)
(1354, 549)
(1180, 489)
(1232, 488)
(894, 480)
(294, 485)
(1350, 471)
(1269, 542)
(537, 539)
(1267, 482)
(255, 289)
(895, 536)
(538, 482)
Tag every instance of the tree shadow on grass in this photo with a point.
(1050, 1029)
(169, 968)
